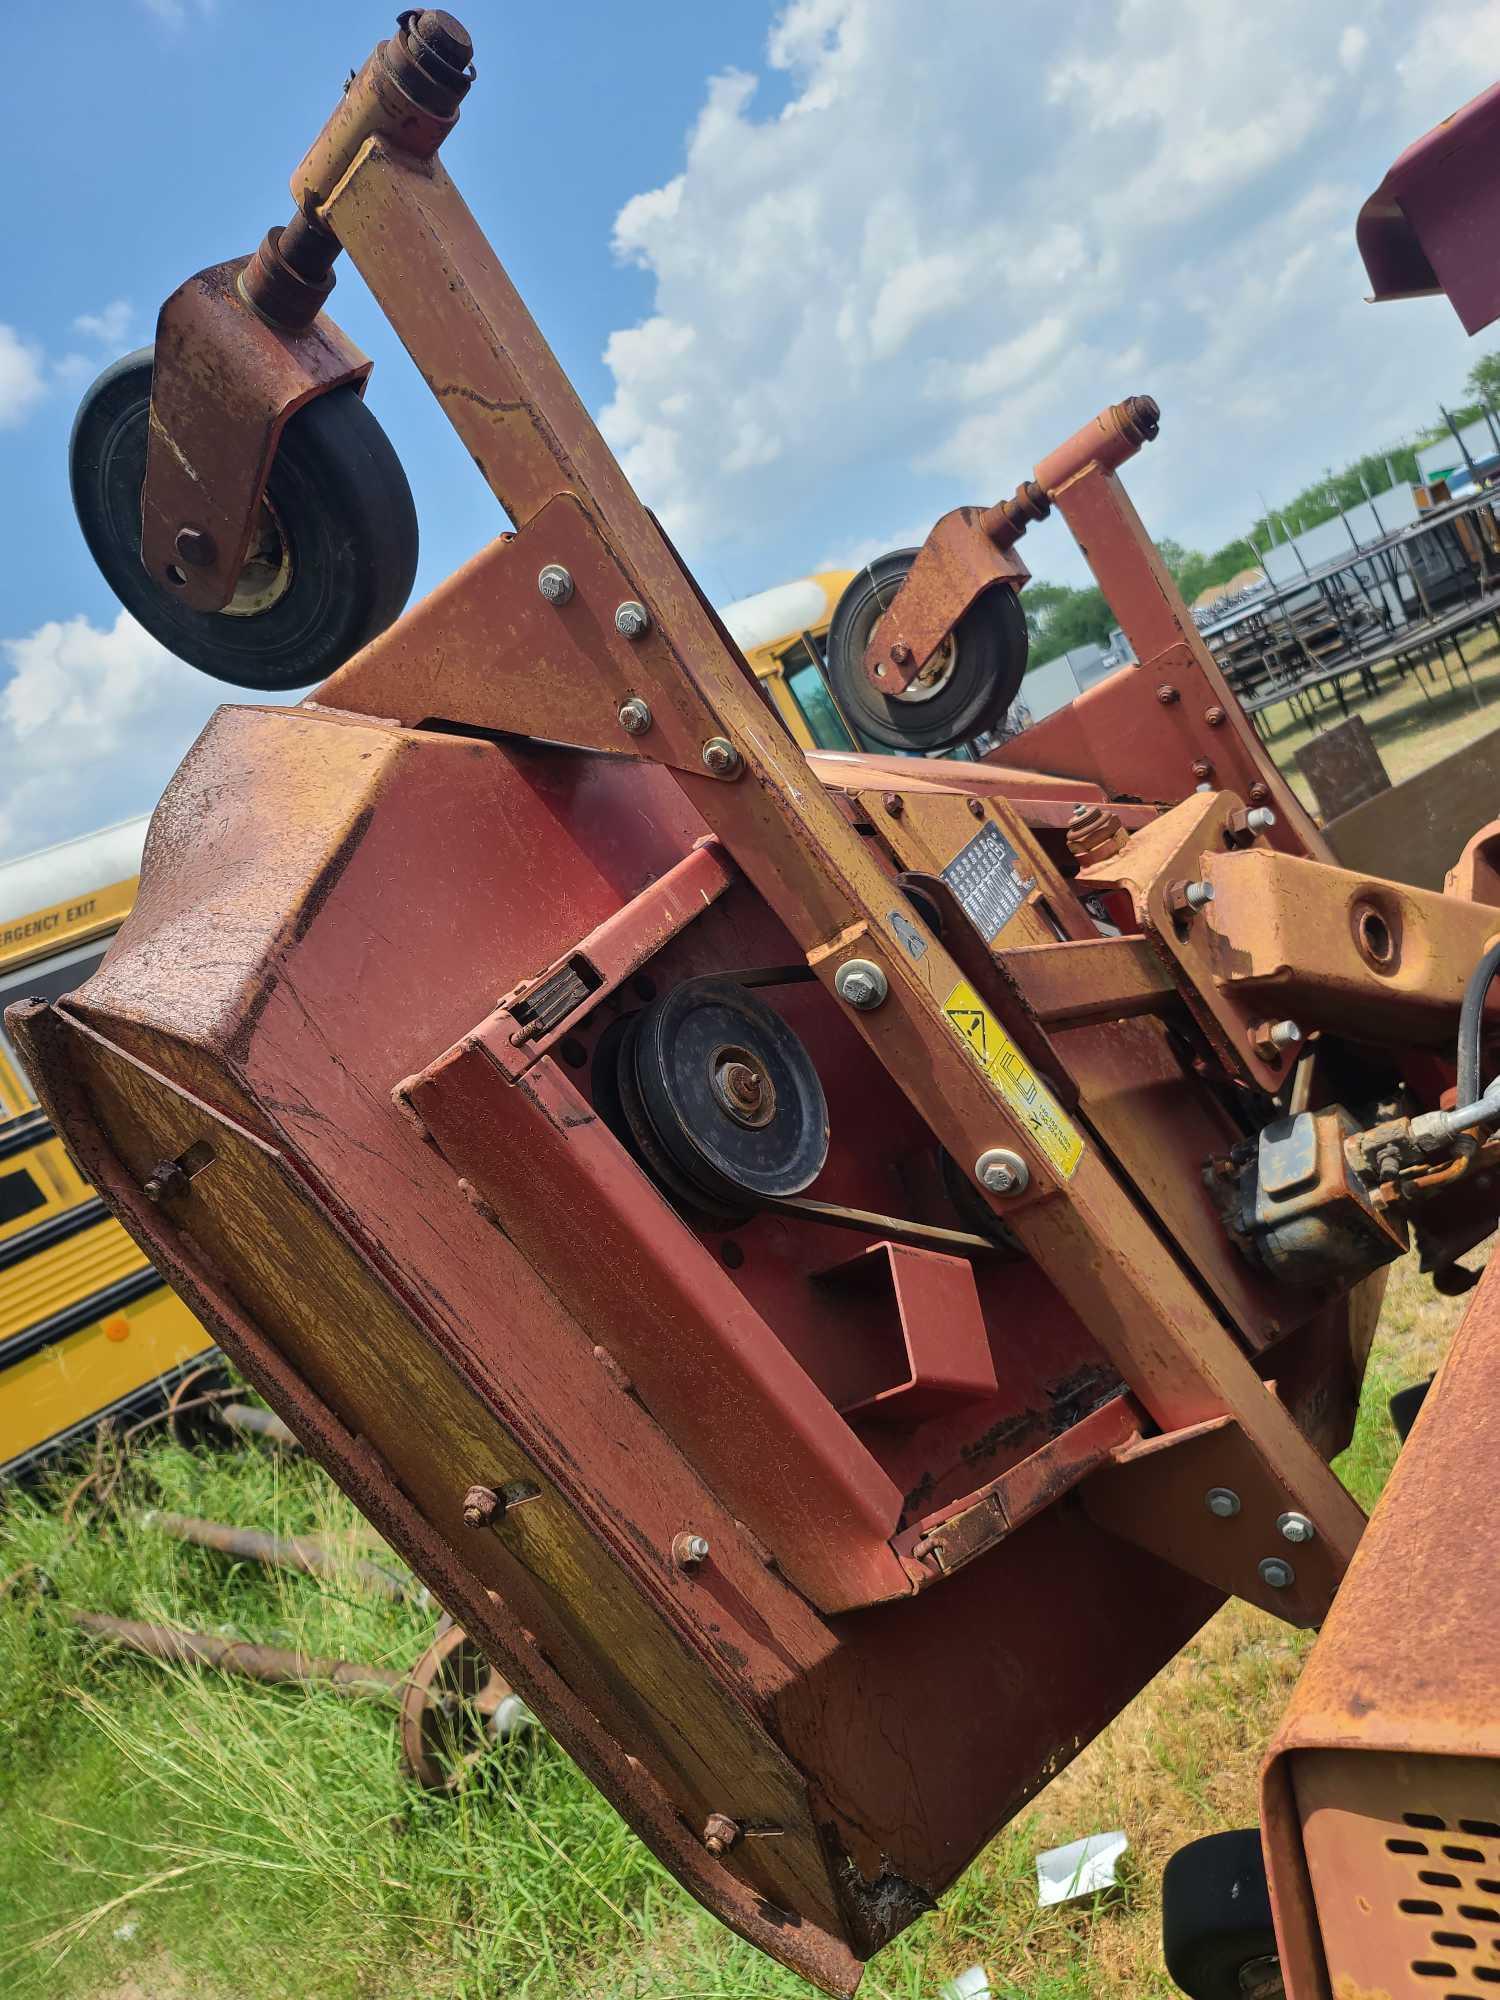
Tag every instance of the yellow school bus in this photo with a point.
(87, 1328)
(782, 632)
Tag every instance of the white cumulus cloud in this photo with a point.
(93, 721)
(917, 248)
(23, 380)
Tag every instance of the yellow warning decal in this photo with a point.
(1051, 1131)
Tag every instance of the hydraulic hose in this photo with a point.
(1470, 1017)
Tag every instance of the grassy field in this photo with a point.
(170, 1835)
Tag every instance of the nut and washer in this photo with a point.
(1277, 1572)
(689, 1550)
(482, 1507)
(720, 1832)
(1271, 1040)
(721, 757)
(632, 619)
(635, 716)
(165, 1179)
(1296, 1528)
(1002, 1171)
(1260, 819)
(555, 584)
(1222, 1501)
(1198, 895)
(861, 983)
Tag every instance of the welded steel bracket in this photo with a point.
(225, 383)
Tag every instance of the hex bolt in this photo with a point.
(721, 757)
(861, 983)
(1198, 895)
(689, 1550)
(976, 808)
(632, 619)
(1222, 1502)
(1274, 1039)
(720, 1832)
(1002, 1171)
(1202, 769)
(1166, 695)
(165, 1179)
(635, 716)
(195, 547)
(1296, 1528)
(900, 653)
(1214, 716)
(482, 1507)
(1259, 819)
(1277, 1572)
(555, 583)
(1258, 793)
(894, 804)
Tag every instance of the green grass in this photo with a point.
(167, 1834)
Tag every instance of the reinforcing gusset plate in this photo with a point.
(224, 385)
(1203, 1500)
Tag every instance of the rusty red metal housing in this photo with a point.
(821, 1529)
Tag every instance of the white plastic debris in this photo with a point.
(128, 1929)
(1082, 1868)
(973, 1983)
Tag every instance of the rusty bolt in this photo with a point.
(195, 547)
(1183, 898)
(632, 619)
(482, 1507)
(1271, 1040)
(894, 804)
(635, 716)
(446, 37)
(1258, 793)
(1166, 694)
(1260, 819)
(721, 757)
(1142, 415)
(1245, 822)
(900, 653)
(164, 1180)
(1094, 833)
(555, 583)
(1214, 716)
(720, 1832)
(976, 808)
(1202, 769)
(689, 1550)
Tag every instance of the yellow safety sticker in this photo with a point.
(1048, 1126)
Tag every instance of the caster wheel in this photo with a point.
(191, 1416)
(455, 1708)
(1217, 1935)
(966, 687)
(331, 563)
(1405, 1404)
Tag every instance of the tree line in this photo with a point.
(1060, 617)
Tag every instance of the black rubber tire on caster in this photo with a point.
(1406, 1403)
(990, 645)
(340, 515)
(1216, 1914)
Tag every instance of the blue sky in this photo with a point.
(823, 269)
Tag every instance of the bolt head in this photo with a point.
(1277, 1573)
(555, 583)
(1222, 1502)
(635, 716)
(1284, 1035)
(861, 984)
(195, 547)
(164, 1180)
(1002, 1171)
(1199, 894)
(1202, 769)
(1214, 717)
(1258, 793)
(688, 1550)
(1166, 694)
(720, 1833)
(1296, 1528)
(632, 619)
(721, 757)
(481, 1506)
(1260, 819)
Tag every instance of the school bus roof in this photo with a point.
(64, 894)
(757, 624)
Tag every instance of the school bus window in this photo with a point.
(804, 678)
(19, 1195)
(46, 981)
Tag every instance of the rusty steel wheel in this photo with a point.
(456, 1707)
(967, 686)
(190, 1412)
(330, 566)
